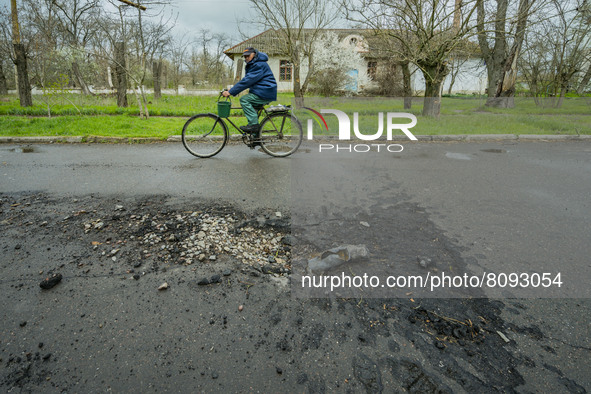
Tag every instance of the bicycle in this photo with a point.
(205, 135)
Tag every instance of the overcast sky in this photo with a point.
(219, 16)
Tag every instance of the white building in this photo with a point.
(471, 77)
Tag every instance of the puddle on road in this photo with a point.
(24, 149)
(457, 156)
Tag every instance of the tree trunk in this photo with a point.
(406, 87)
(496, 75)
(139, 102)
(78, 75)
(584, 81)
(109, 77)
(493, 73)
(434, 75)
(297, 91)
(453, 75)
(157, 71)
(24, 87)
(3, 85)
(502, 66)
(504, 96)
(534, 85)
(311, 71)
(145, 102)
(165, 77)
(297, 86)
(561, 97)
(121, 75)
(15, 73)
(432, 102)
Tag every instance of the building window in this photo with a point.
(372, 68)
(285, 70)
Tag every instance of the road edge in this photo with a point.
(177, 138)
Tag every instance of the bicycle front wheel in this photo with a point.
(205, 135)
(281, 134)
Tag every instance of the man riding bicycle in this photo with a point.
(260, 81)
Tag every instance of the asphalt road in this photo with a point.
(520, 205)
(251, 179)
(506, 206)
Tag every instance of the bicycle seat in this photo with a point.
(258, 107)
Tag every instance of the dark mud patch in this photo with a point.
(402, 242)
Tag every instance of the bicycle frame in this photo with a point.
(259, 114)
(232, 123)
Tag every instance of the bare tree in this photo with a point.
(425, 33)
(297, 24)
(41, 25)
(157, 76)
(206, 63)
(35, 22)
(454, 64)
(20, 60)
(151, 38)
(3, 84)
(220, 68)
(178, 52)
(500, 42)
(141, 39)
(388, 50)
(5, 49)
(76, 22)
(585, 10)
(557, 51)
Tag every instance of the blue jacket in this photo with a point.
(258, 78)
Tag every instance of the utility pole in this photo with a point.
(20, 60)
(457, 16)
(120, 65)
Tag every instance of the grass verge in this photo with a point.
(107, 126)
(458, 116)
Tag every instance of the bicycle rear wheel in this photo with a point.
(205, 135)
(281, 134)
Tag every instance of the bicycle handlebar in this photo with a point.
(227, 98)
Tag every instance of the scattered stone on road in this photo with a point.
(50, 281)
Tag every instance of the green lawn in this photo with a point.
(464, 116)
(101, 117)
(104, 126)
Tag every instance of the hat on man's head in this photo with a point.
(248, 51)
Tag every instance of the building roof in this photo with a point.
(271, 42)
(372, 44)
